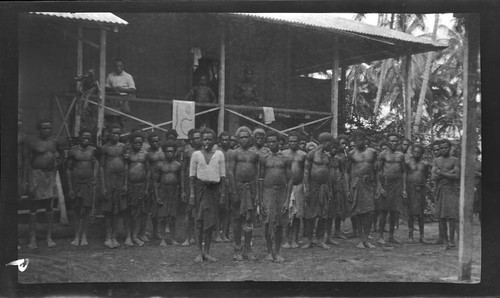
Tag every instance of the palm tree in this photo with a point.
(423, 88)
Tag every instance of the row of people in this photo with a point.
(324, 185)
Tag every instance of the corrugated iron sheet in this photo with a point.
(329, 22)
(99, 17)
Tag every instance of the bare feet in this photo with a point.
(323, 245)
(109, 243)
(361, 245)
(279, 259)
(115, 243)
(249, 256)
(185, 243)
(340, 236)
(237, 256)
(218, 239)
(84, 241)
(307, 245)
(445, 246)
(163, 243)
(295, 244)
(286, 245)
(411, 240)
(329, 240)
(199, 258)
(175, 242)
(144, 238)
(368, 244)
(138, 241)
(452, 244)
(192, 241)
(381, 241)
(209, 258)
(423, 241)
(393, 240)
(32, 244)
(75, 242)
(50, 243)
(128, 242)
(226, 239)
(269, 258)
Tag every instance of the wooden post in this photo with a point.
(408, 96)
(288, 67)
(335, 89)
(79, 71)
(222, 81)
(469, 139)
(102, 81)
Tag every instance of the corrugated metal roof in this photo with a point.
(99, 17)
(329, 22)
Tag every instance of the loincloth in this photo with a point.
(273, 198)
(317, 205)
(114, 202)
(297, 200)
(416, 198)
(333, 203)
(244, 199)
(207, 202)
(137, 199)
(42, 184)
(170, 196)
(344, 207)
(84, 193)
(393, 199)
(447, 199)
(363, 195)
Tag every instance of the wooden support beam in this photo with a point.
(335, 89)
(129, 116)
(102, 80)
(305, 124)
(408, 95)
(256, 122)
(236, 107)
(79, 71)
(169, 122)
(67, 115)
(469, 143)
(222, 80)
(62, 117)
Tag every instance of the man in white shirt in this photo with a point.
(120, 84)
(119, 81)
(207, 175)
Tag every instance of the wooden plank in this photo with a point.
(256, 122)
(469, 143)
(305, 124)
(62, 117)
(66, 116)
(335, 89)
(222, 80)
(408, 98)
(102, 80)
(129, 116)
(235, 107)
(62, 204)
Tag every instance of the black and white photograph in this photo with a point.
(248, 146)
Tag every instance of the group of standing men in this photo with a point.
(241, 179)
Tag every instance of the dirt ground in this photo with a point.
(151, 263)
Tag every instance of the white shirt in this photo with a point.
(123, 80)
(211, 172)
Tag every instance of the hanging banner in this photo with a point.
(183, 117)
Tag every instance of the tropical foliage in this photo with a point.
(375, 93)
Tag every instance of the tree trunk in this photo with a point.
(383, 72)
(423, 88)
(407, 97)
